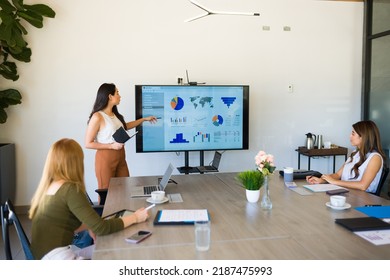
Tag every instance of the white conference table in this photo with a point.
(298, 227)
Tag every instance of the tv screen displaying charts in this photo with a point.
(192, 118)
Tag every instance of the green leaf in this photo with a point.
(18, 4)
(34, 19)
(5, 32)
(6, 6)
(6, 18)
(42, 10)
(23, 55)
(8, 70)
(20, 27)
(3, 115)
(18, 38)
(10, 97)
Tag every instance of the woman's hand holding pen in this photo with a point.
(313, 180)
(151, 119)
(328, 179)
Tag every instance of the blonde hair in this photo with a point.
(65, 161)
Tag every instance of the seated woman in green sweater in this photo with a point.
(60, 207)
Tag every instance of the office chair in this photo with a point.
(97, 207)
(385, 172)
(9, 217)
(102, 195)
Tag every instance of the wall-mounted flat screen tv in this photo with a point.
(192, 118)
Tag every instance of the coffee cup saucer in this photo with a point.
(150, 200)
(345, 206)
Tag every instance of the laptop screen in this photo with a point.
(165, 179)
(217, 159)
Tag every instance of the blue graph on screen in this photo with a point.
(228, 100)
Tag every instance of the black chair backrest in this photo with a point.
(102, 195)
(9, 217)
(98, 208)
(385, 172)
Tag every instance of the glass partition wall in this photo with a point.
(376, 68)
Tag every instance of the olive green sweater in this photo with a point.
(60, 215)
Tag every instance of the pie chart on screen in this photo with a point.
(177, 103)
(217, 120)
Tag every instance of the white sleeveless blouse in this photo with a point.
(348, 172)
(104, 135)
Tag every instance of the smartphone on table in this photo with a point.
(337, 191)
(139, 236)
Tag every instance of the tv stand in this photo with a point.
(186, 169)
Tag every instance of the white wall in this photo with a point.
(131, 42)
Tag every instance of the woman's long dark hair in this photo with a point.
(371, 142)
(101, 101)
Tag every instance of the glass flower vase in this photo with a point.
(266, 203)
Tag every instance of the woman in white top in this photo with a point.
(104, 120)
(363, 169)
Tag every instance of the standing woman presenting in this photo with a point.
(104, 120)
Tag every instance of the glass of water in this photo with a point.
(202, 235)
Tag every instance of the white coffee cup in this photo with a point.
(158, 195)
(288, 174)
(337, 200)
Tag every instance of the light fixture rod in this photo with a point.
(209, 12)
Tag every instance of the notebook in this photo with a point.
(214, 166)
(121, 135)
(145, 191)
(363, 224)
(375, 211)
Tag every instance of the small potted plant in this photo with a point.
(252, 181)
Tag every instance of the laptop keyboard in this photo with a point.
(209, 167)
(149, 189)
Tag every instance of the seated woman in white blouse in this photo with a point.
(363, 168)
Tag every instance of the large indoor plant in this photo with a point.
(14, 14)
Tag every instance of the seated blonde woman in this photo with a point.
(60, 207)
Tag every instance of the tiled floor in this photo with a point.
(16, 248)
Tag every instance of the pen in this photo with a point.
(372, 205)
(150, 207)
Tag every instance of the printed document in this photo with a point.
(186, 215)
(322, 187)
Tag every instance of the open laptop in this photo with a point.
(145, 191)
(214, 166)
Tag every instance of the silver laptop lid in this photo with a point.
(165, 179)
